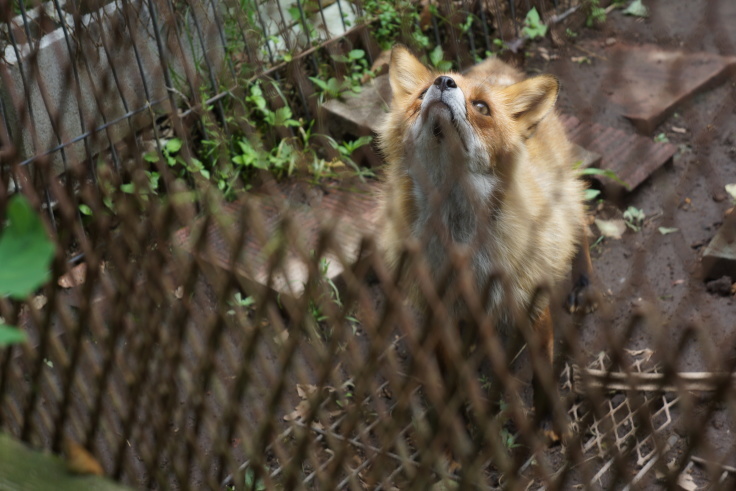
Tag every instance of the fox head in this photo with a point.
(443, 120)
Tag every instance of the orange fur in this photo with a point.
(501, 184)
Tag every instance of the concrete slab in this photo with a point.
(359, 114)
(719, 258)
(648, 83)
(47, 106)
(346, 212)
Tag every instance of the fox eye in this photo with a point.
(421, 96)
(482, 108)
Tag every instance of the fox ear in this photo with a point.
(531, 100)
(406, 73)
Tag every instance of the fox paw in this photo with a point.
(583, 297)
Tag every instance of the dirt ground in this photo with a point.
(646, 273)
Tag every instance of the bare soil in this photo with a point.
(653, 282)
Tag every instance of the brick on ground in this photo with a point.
(648, 83)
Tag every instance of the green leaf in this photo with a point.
(356, 54)
(282, 117)
(319, 83)
(668, 230)
(173, 145)
(661, 138)
(637, 9)
(150, 157)
(594, 171)
(85, 210)
(533, 26)
(25, 249)
(128, 188)
(436, 56)
(591, 194)
(11, 335)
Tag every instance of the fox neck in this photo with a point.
(451, 198)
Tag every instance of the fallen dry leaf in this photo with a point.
(39, 301)
(79, 460)
(299, 413)
(677, 129)
(611, 228)
(74, 276)
(731, 190)
(305, 390)
(685, 481)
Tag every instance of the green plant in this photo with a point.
(27, 253)
(595, 14)
(594, 171)
(358, 63)
(661, 138)
(634, 218)
(437, 59)
(508, 439)
(394, 18)
(333, 87)
(533, 26)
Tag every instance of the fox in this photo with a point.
(478, 164)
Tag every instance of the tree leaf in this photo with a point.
(173, 145)
(637, 9)
(436, 56)
(11, 335)
(26, 250)
(533, 26)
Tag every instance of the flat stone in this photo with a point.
(285, 225)
(632, 157)
(719, 258)
(648, 83)
(359, 114)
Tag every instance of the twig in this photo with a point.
(702, 461)
(590, 53)
(689, 381)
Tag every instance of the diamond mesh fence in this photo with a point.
(224, 309)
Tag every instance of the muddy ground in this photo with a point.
(647, 273)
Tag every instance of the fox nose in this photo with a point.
(444, 82)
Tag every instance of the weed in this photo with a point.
(661, 138)
(533, 26)
(595, 14)
(437, 59)
(27, 254)
(594, 171)
(634, 218)
(395, 18)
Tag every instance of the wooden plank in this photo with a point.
(648, 83)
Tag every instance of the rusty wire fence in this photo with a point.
(201, 334)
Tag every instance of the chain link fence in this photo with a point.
(218, 316)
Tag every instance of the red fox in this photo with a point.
(480, 163)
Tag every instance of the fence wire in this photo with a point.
(210, 324)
